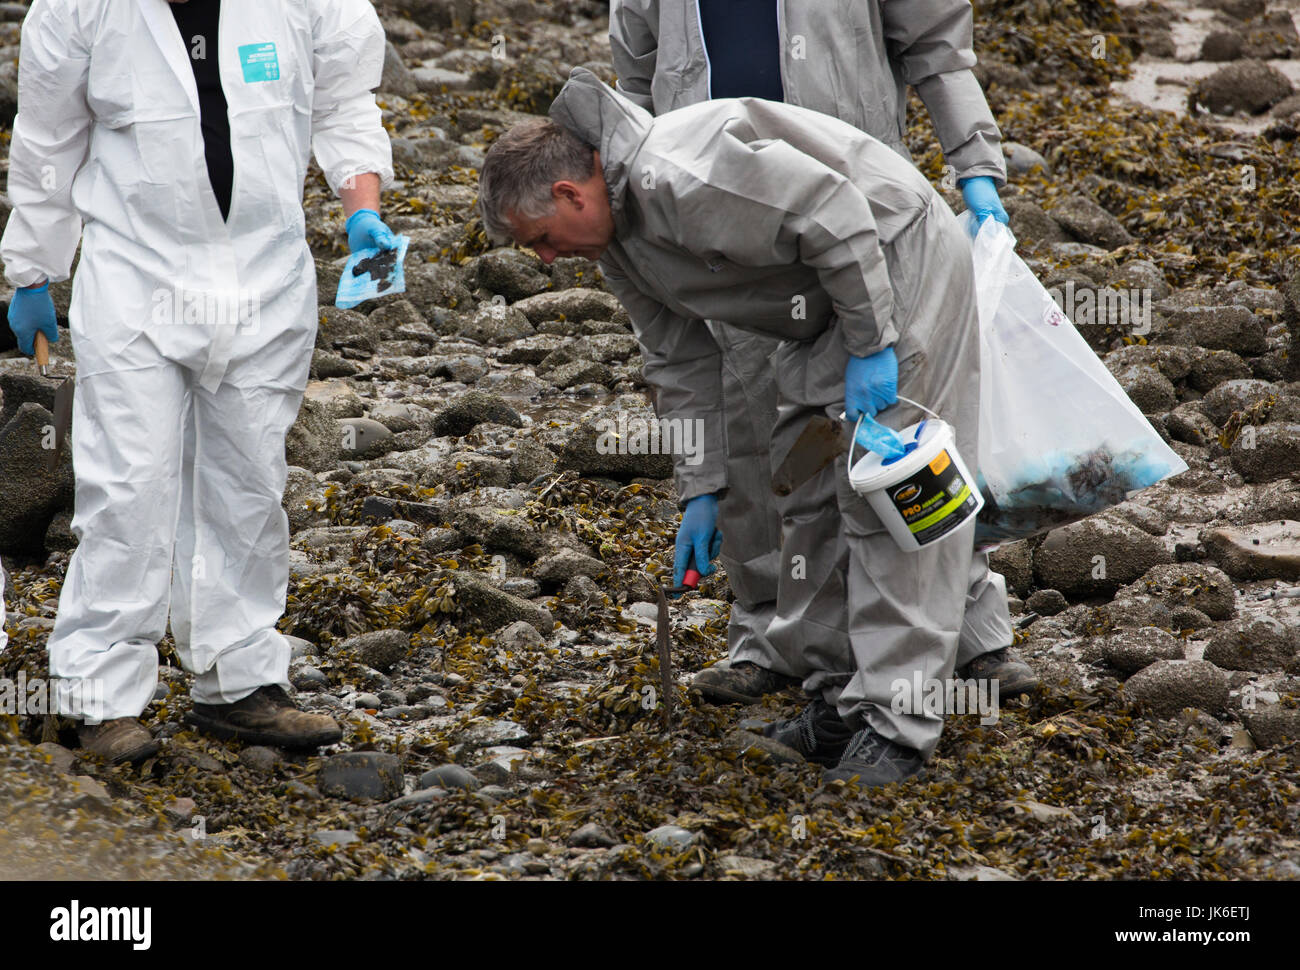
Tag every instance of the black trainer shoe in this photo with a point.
(1014, 676)
(874, 760)
(266, 716)
(740, 683)
(816, 732)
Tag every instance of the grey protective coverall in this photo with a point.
(852, 59)
(794, 225)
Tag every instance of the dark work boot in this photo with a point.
(873, 760)
(266, 716)
(1014, 676)
(119, 740)
(816, 732)
(739, 683)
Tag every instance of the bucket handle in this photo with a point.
(854, 440)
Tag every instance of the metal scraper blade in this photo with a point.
(62, 419)
(819, 444)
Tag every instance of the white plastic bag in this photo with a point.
(1059, 438)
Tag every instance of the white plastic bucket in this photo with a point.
(926, 495)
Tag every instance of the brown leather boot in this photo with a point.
(121, 739)
(266, 716)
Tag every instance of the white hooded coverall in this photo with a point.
(853, 60)
(193, 334)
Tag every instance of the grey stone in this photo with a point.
(556, 570)
(1023, 160)
(396, 77)
(580, 372)
(1273, 725)
(339, 837)
(449, 777)
(1266, 550)
(465, 368)
(1066, 559)
(1266, 453)
(571, 305)
(305, 677)
(315, 441)
(260, 758)
(671, 837)
(495, 323)
(471, 409)
(529, 460)
(1246, 85)
(494, 608)
(1088, 222)
(484, 733)
(591, 836)
(1134, 650)
(1047, 602)
(501, 529)
(519, 636)
(1231, 396)
(1197, 585)
(594, 447)
(363, 438)
(1167, 686)
(361, 774)
(1031, 224)
(381, 649)
(513, 273)
(29, 493)
(1259, 643)
(1232, 328)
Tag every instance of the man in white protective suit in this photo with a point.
(853, 60)
(737, 210)
(172, 140)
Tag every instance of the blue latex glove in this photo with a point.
(367, 231)
(31, 310)
(870, 384)
(981, 197)
(697, 537)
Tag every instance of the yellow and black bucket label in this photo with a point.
(934, 500)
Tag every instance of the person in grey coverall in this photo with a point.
(741, 210)
(852, 60)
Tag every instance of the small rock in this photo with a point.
(1259, 643)
(672, 837)
(361, 774)
(1047, 602)
(519, 636)
(1250, 86)
(1167, 686)
(259, 758)
(1090, 223)
(591, 836)
(1134, 650)
(449, 777)
(339, 837)
(381, 649)
(1266, 550)
(1273, 725)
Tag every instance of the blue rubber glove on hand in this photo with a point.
(981, 197)
(30, 310)
(870, 384)
(367, 231)
(698, 536)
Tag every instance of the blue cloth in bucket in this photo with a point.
(884, 441)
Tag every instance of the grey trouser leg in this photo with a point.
(747, 514)
(905, 610)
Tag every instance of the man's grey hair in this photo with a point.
(520, 168)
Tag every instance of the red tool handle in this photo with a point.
(691, 578)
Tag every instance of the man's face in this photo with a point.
(579, 225)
